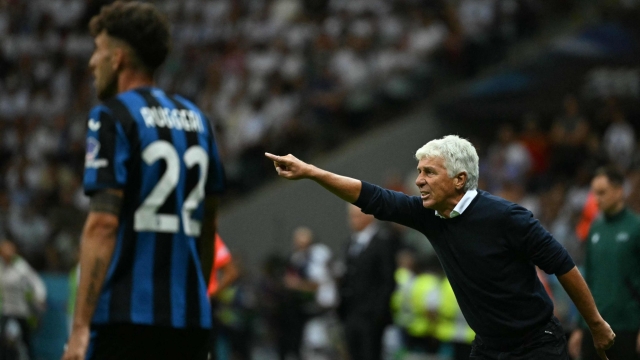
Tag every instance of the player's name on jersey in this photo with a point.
(186, 120)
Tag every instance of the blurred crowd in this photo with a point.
(284, 75)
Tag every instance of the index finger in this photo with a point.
(602, 354)
(273, 157)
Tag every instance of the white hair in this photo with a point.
(458, 154)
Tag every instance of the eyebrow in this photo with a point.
(426, 168)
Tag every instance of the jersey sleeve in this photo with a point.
(107, 152)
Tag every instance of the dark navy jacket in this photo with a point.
(488, 253)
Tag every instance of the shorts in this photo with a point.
(141, 342)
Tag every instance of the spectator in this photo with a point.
(23, 300)
(568, 138)
(509, 160)
(619, 140)
(536, 142)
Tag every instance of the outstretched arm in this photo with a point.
(289, 167)
(577, 289)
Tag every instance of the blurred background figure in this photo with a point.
(612, 269)
(367, 284)
(426, 312)
(235, 317)
(23, 297)
(404, 275)
(223, 273)
(310, 299)
(419, 302)
(452, 328)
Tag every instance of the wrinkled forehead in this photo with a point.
(431, 161)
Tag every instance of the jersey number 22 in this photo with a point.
(146, 217)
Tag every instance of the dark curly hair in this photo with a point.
(140, 25)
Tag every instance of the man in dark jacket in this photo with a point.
(488, 248)
(366, 287)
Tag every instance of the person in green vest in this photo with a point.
(452, 327)
(418, 300)
(404, 274)
(612, 269)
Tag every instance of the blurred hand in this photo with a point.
(575, 343)
(603, 338)
(76, 348)
(290, 167)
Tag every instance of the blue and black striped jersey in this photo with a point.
(160, 150)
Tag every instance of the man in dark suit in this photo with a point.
(367, 284)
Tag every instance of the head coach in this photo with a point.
(488, 247)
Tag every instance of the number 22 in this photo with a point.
(146, 217)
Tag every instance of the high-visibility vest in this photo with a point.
(452, 326)
(420, 296)
(403, 278)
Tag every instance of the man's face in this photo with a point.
(608, 196)
(302, 239)
(7, 250)
(104, 67)
(435, 185)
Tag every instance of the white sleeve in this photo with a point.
(35, 283)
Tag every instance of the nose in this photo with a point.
(420, 181)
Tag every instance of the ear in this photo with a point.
(118, 59)
(460, 180)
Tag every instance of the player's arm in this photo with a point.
(289, 167)
(208, 230)
(578, 291)
(96, 249)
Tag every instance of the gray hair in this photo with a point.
(458, 154)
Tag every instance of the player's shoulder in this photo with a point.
(633, 215)
(112, 111)
(184, 101)
(100, 110)
(634, 218)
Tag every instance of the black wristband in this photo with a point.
(106, 201)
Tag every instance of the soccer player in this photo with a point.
(488, 248)
(153, 174)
